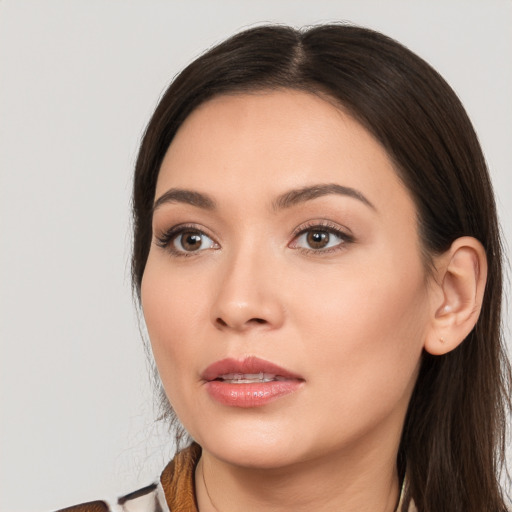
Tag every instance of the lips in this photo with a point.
(253, 366)
(251, 382)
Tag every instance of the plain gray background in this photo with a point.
(78, 82)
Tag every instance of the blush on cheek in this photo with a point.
(372, 330)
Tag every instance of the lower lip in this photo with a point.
(250, 395)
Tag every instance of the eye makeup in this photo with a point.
(320, 237)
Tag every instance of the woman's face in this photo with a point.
(282, 236)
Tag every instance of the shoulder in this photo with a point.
(148, 499)
(92, 506)
(174, 491)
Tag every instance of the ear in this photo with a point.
(457, 294)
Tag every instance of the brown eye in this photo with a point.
(317, 239)
(191, 241)
(321, 239)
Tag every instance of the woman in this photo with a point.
(317, 257)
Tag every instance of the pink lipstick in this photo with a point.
(251, 382)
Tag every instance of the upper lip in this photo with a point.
(249, 365)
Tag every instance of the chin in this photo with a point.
(264, 456)
(255, 444)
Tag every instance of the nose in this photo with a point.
(248, 295)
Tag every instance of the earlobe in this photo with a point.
(457, 301)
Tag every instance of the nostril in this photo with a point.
(222, 323)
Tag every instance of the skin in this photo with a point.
(352, 320)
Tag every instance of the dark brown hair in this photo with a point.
(453, 439)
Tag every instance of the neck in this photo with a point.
(338, 481)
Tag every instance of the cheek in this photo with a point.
(368, 330)
(173, 309)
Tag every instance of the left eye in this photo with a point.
(192, 241)
(318, 239)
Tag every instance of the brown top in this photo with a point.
(178, 480)
(174, 493)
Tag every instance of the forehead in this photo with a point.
(271, 141)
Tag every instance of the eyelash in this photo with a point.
(166, 239)
(325, 227)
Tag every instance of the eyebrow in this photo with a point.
(178, 195)
(301, 195)
(286, 200)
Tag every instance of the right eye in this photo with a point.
(184, 241)
(192, 241)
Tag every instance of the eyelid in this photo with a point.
(166, 237)
(342, 232)
(326, 224)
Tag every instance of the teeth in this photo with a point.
(248, 378)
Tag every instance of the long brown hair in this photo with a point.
(453, 439)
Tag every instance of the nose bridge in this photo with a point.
(247, 292)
